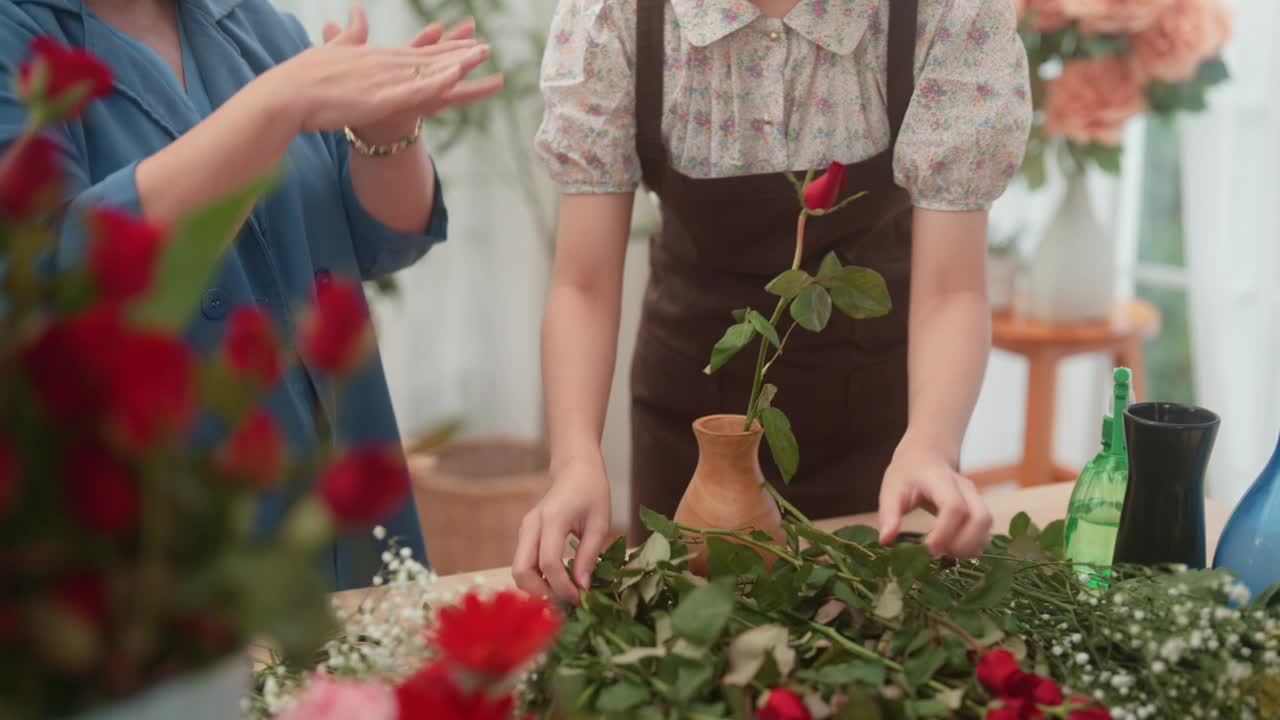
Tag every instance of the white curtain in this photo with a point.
(1231, 200)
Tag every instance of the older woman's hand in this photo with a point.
(432, 36)
(346, 83)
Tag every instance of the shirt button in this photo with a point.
(214, 304)
(775, 36)
(767, 122)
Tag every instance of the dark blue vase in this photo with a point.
(1250, 545)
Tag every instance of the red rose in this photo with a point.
(58, 74)
(8, 477)
(1013, 710)
(997, 669)
(496, 636)
(365, 486)
(64, 364)
(151, 392)
(31, 181)
(123, 254)
(102, 491)
(782, 704)
(431, 694)
(251, 348)
(254, 454)
(821, 194)
(336, 336)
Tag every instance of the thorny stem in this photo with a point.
(753, 409)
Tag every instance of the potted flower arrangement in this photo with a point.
(132, 578)
(1095, 65)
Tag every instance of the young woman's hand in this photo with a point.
(346, 83)
(918, 477)
(578, 504)
(432, 36)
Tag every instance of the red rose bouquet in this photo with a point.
(127, 558)
(1095, 64)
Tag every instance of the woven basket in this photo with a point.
(471, 496)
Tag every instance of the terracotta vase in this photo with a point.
(727, 490)
(471, 496)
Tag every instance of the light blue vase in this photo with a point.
(211, 694)
(1250, 544)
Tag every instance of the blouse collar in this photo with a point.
(836, 25)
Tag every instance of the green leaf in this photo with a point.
(830, 266)
(1266, 598)
(863, 672)
(860, 534)
(920, 668)
(621, 696)
(927, 708)
(735, 338)
(1212, 72)
(190, 259)
(1053, 539)
(812, 308)
(767, 394)
(789, 284)
(657, 549)
(863, 704)
(693, 680)
(782, 442)
(860, 293)
(909, 561)
(1019, 525)
(703, 613)
(992, 589)
(659, 524)
(635, 655)
(740, 316)
(762, 326)
(1107, 157)
(731, 559)
(889, 601)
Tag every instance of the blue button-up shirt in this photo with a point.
(310, 229)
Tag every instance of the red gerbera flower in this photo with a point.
(495, 636)
(432, 694)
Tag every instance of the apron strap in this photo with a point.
(650, 51)
(902, 61)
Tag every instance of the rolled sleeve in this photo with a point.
(381, 250)
(587, 139)
(966, 130)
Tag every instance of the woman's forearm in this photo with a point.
(240, 142)
(397, 190)
(950, 328)
(580, 328)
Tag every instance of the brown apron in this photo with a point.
(722, 240)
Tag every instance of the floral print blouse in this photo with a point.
(748, 94)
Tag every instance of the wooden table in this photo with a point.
(1044, 504)
(1046, 345)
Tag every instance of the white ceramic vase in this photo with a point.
(211, 694)
(1072, 274)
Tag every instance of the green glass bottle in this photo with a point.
(1093, 515)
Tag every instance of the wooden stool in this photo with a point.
(1045, 345)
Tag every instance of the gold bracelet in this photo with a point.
(378, 151)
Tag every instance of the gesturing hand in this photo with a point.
(457, 42)
(919, 478)
(348, 83)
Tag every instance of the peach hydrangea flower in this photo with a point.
(1115, 16)
(1191, 32)
(1093, 99)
